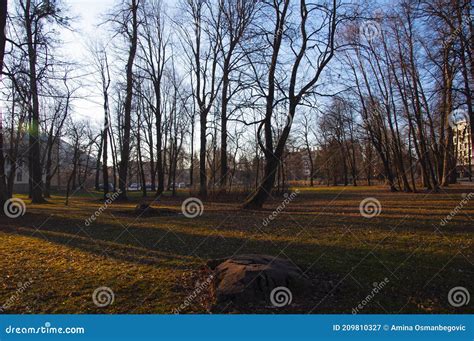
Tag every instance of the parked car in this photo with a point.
(180, 185)
(134, 187)
(111, 187)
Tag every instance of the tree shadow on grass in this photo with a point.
(163, 247)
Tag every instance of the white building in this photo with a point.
(463, 147)
(62, 154)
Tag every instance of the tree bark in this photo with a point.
(3, 185)
(224, 162)
(97, 164)
(125, 153)
(34, 137)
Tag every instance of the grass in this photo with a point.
(152, 264)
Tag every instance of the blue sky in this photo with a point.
(87, 14)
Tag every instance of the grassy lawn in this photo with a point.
(153, 263)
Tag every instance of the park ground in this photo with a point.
(154, 263)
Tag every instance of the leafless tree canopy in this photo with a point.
(238, 96)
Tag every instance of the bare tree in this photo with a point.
(3, 38)
(129, 27)
(236, 19)
(308, 130)
(61, 106)
(154, 55)
(35, 41)
(80, 142)
(301, 83)
(202, 48)
(101, 64)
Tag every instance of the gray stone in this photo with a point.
(250, 279)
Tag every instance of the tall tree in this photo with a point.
(154, 47)
(129, 25)
(201, 45)
(312, 20)
(3, 39)
(236, 19)
(101, 63)
(36, 36)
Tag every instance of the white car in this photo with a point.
(134, 187)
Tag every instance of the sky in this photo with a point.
(87, 14)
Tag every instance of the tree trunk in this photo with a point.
(191, 166)
(125, 154)
(202, 154)
(224, 163)
(49, 173)
(159, 142)
(141, 167)
(152, 161)
(266, 186)
(97, 164)
(34, 138)
(447, 112)
(105, 169)
(3, 185)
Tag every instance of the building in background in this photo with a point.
(62, 165)
(463, 148)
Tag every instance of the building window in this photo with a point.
(19, 176)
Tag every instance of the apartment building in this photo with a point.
(463, 148)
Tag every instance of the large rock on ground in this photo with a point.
(247, 280)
